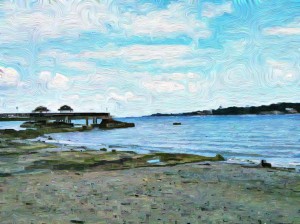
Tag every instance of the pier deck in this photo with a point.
(65, 116)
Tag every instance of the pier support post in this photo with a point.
(87, 121)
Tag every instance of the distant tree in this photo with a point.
(40, 109)
(65, 108)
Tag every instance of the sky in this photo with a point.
(139, 57)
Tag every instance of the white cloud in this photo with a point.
(283, 31)
(45, 76)
(63, 18)
(70, 18)
(58, 81)
(92, 81)
(79, 65)
(141, 52)
(192, 87)
(177, 18)
(183, 76)
(9, 77)
(59, 55)
(165, 56)
(282, 73)
(211, 10)
(127, 96)
(163, 86)
(154, 52)
(99, 97)
(290, 29)
(65, 59)
(72, 98)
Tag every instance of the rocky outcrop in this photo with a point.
(111, 123)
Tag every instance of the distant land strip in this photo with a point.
(278, 108)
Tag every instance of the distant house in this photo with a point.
(65, 108)
(41, 109)
(291, 110)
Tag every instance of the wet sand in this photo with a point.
(212, 192)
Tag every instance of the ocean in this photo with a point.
(275, 138)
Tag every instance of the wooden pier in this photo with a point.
(66, 117)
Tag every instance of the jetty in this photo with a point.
(42, 117)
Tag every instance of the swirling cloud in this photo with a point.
(163, 86)
(9, 77)
(58, 81)
(290, 29)
(177, 18)
(211, 10)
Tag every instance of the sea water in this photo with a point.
(275, 138)
(241, 138)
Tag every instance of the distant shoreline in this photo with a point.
(272, 109)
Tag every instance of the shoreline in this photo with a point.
(67, 145)
(43, 136)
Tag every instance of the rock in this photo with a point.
(111, 123)
(103, 149)
(264, 164)
(5, 174)
(114, 151)
(204, 164)
(220, 157)
(176, 123)
(76, 221)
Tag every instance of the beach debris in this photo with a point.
(153, 161)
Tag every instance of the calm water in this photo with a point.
(274, 138)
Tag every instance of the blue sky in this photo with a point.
(142, 57)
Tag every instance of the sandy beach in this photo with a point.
(211, 192)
